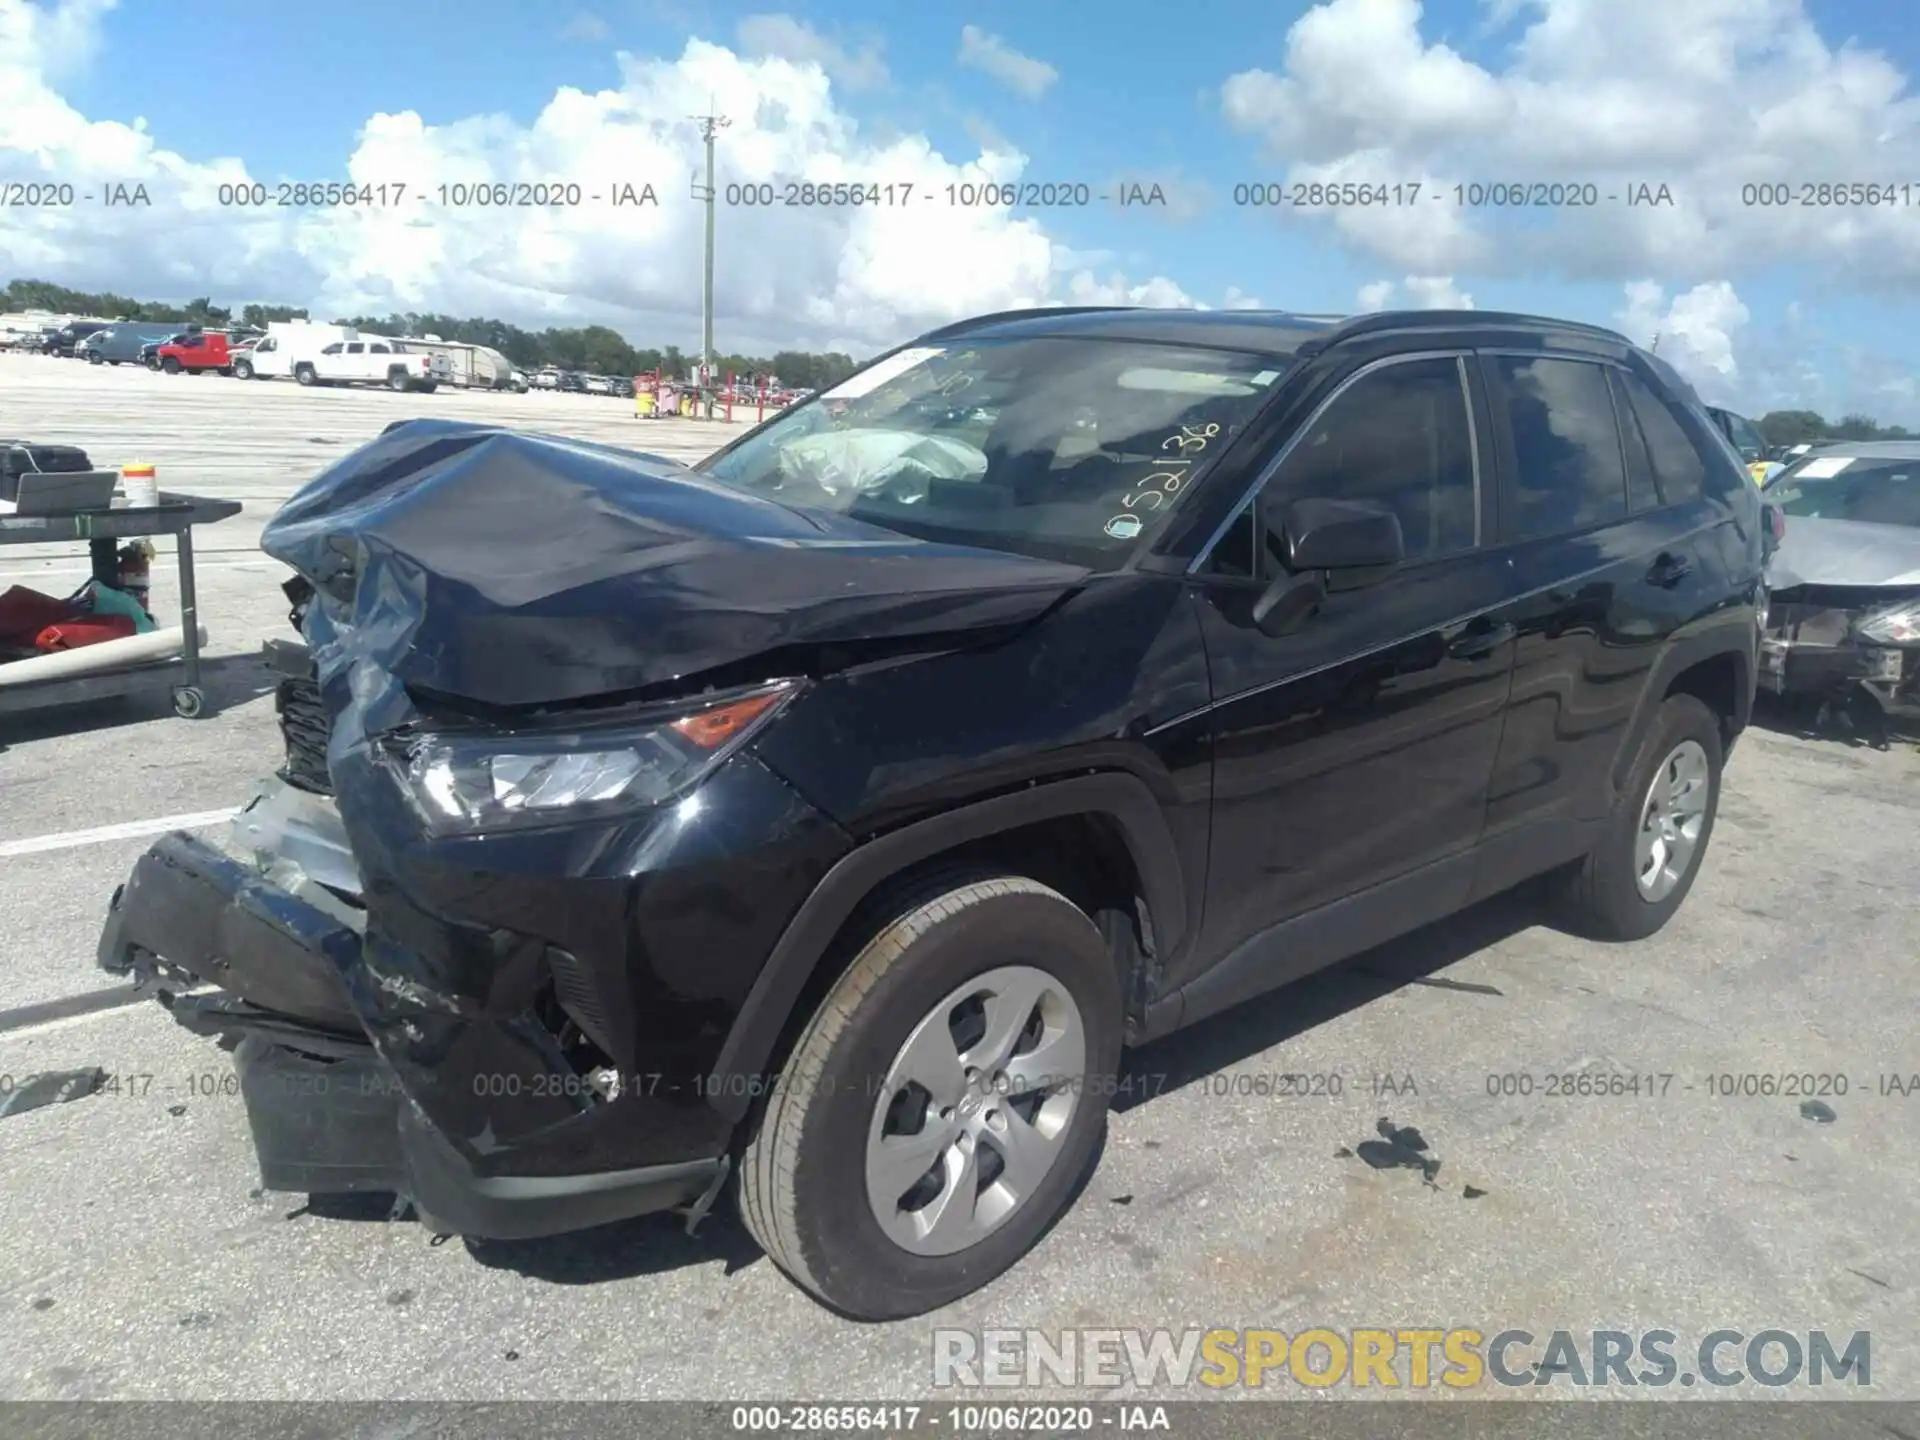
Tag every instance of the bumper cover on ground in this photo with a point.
(327, 1114)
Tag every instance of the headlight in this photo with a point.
(470, 784)
(1896, 625)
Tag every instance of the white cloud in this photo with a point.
(1703, 96)
(1695, 331)
(586, 27)
(1376, 295)
(791, 39)
(60, 38)
(1237, 299)
(853, 278)
(993, 56)
(1416, 292)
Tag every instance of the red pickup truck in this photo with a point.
(197, 353)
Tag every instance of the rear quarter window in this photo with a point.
(1679, 466)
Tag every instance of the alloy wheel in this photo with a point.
(975, 1109)
(1671, 821)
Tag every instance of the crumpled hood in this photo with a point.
(513, 569)
(1845, 552)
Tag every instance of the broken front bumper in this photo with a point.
(328, 1113)
(1889, 674)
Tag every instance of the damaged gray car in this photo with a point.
(1842, 624)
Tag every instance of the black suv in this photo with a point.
(828, 816)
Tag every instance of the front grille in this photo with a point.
(579, 997)
(304, 728)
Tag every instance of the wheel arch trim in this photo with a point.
(1122, 798)
(1717, 643)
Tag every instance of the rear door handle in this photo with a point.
(1480, 640)
(1668, 570)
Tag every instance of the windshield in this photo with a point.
(1746, 439)
(1838, 487)
(1065, 449)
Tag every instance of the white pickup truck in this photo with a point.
(372, 360)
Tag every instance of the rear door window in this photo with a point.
(1569, 472)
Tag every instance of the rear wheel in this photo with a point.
(305, 375)
(941, 1104)
(1651, 849)
(398, 380)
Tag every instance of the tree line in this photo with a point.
(1800, 427)
(595, 349)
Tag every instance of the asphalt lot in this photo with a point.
(138, 1260)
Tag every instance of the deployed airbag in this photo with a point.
(842, 460)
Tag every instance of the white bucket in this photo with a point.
(141, 485)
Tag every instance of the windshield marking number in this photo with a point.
(1164, 483)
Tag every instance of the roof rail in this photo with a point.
(1424, 319)
(960, 327)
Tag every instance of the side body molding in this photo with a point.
(1122, 798)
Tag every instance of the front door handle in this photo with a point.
(1669, 570)
(1481, 640)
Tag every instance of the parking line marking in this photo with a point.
(71, 839)
(74, 1010)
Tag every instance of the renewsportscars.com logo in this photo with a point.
(1457, 1358)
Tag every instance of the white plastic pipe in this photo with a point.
(145, 649)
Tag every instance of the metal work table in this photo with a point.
(175, 515)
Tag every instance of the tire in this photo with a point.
(804, 1193)
(398, 381)
(427, 387)
(97, 359)
(170, 365)
(242, 370)
(1603, 897)
(304, 374)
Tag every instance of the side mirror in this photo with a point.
(1341, 535)
(1319, 536)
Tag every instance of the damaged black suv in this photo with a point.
(827, 817)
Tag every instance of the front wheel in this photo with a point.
(242, 370)
(1651, 848)
(305, 375)
(941, 1104)
(170, 365)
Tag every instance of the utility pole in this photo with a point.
(710, 125)
(1653, 349)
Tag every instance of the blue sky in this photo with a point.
(289, 88)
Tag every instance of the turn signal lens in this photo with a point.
(713, 728)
